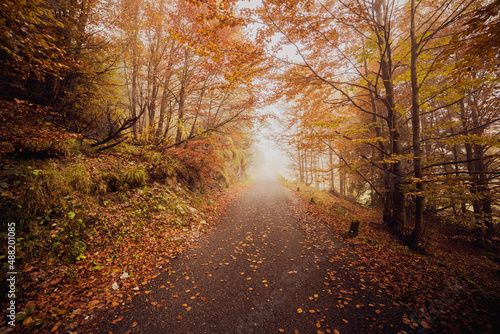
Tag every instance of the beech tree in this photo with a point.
(388, 63)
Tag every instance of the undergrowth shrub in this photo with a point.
(45, 190)
(79, 178)
(133, 177)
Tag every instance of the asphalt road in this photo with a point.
(263, 269)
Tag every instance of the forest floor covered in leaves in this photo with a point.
(274, 262)
(267, 267)
(452, 285)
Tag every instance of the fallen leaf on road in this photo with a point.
(116, 320)
(299, 310)
(135, 323)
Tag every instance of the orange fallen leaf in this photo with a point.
(135, 323)
(116, 320)
(179, 317)
(299, 310)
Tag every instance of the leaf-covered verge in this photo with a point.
(451, 287)
(92, 228)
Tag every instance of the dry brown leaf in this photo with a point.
(27, 321)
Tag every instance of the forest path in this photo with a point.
(262, 270)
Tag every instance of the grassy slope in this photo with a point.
(85, 220)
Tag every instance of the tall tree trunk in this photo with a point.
(135, 64)
(415, 122)
(395, 177)
(163, 107)
(182, 98)
(301, 166)
(477, 169)
(342, 184)
(332, 173)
